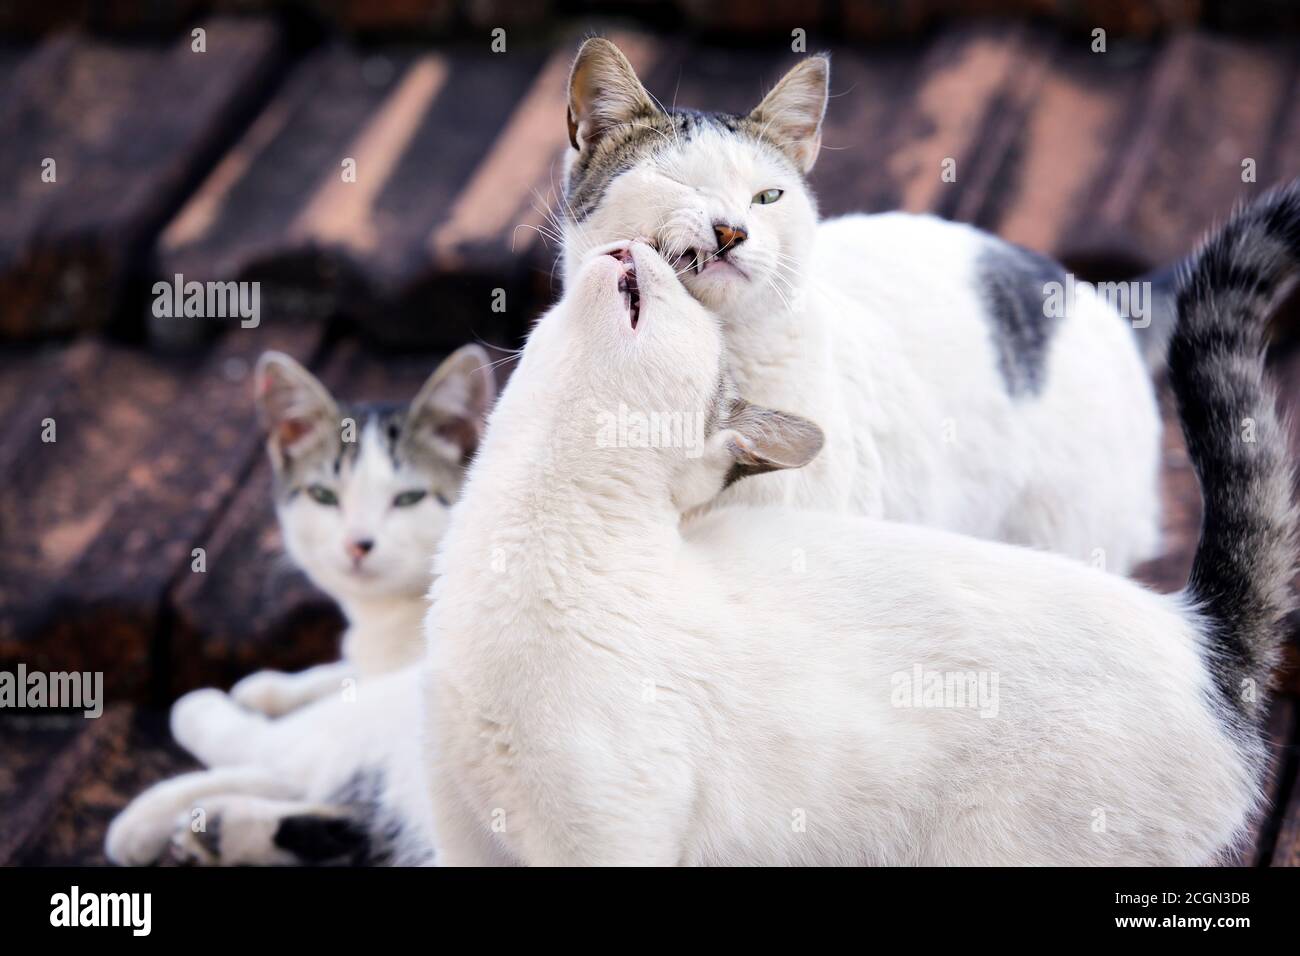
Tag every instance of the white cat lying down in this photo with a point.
(334, 781)
(756, 687)
(361, 518)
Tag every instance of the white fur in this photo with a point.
(317, 536)
(283, 745)
(383, 599)
(612, 686)
(382, 594)
(264, 769)
(873, 327)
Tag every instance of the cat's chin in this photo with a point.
(373, 590)
(720, 286)
(355, 583)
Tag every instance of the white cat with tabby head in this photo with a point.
(952, 390)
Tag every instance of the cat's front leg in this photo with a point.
(139, 835)
(216, 730)
(275, 693)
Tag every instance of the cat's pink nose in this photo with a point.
(359, 549)
(728, 236)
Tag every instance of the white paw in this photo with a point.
(197, 715)
(266, 692)
(138, 836)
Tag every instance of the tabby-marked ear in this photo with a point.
(296, 409)
(451, 409)
(791, 115)
(763, 439)
(604, 92)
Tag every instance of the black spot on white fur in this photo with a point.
(360, 828)
(320, 839)
(1013, 285)
(1245, 560)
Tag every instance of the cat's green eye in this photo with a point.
(322, 495)
(768, 196)
(408, 498)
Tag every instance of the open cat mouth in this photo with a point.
(688, 262)
(693, 263)
(627, 284)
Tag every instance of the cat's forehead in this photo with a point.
(694, 131)
(373, 441)
(370, 434)
(693, 145)
(715, 156)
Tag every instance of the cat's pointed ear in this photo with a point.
(450, 411)
(604, 92)
(791, 115)
(762, 439)
(296, 409)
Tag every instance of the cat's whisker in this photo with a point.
(672, 126)
(785, 301)
(790, 268)
(546, 234)
(571, 218)
(544, 207)
(497, 363)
